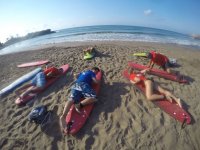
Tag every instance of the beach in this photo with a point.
(121, 119)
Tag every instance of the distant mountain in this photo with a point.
(13, 40)
(39, 33)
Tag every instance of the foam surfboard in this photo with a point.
(19, 81)
(76, 120)
(30, 64)
(89, 55)
(158, 72)
(143, 54)
(170, 108)
(27, 98)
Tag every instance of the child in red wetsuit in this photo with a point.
(160, 60)
(137, 77)
(151, 87)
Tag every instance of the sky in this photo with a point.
(19, 17)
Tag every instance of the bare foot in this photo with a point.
(21, 98)
(32, 94)
(179, 102)
(78, 108)
(168, 97)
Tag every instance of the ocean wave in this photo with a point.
(129, 37)
(104, 34)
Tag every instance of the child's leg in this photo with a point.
(32, 89)
(168, 95)
(150, 91)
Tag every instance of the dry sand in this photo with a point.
(121, 119)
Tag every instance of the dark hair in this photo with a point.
(96, 69)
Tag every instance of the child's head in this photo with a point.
(95, 70)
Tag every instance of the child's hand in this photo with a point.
(145, 71)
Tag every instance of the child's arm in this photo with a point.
(76, 75)
(150, 64)
(50, 74)
(145, 71)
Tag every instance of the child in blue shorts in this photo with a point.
(38, 82)
(81, 89)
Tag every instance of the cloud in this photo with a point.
(147, 12)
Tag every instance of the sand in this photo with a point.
(121, 119)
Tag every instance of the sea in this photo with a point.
(104, 33)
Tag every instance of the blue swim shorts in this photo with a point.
(81, 90)
(39, 80)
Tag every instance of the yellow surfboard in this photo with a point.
(140, 54)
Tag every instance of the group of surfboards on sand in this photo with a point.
(152, 90)
(149, 84)
(85, 88)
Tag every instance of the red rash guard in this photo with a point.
(158, 58)
(54, 72)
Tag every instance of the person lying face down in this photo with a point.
(88, 50)
(39, 81)
(81, 89)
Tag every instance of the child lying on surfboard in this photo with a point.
(38, 82)
(150, 87)
(89, 50)
(81, 89)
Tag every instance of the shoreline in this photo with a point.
(74, 44)
(122, 116)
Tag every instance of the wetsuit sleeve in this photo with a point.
(46, 71)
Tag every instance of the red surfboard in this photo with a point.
(36, 63)
(23, 101)
(76, 120)
(158, 72)
(171, 108)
